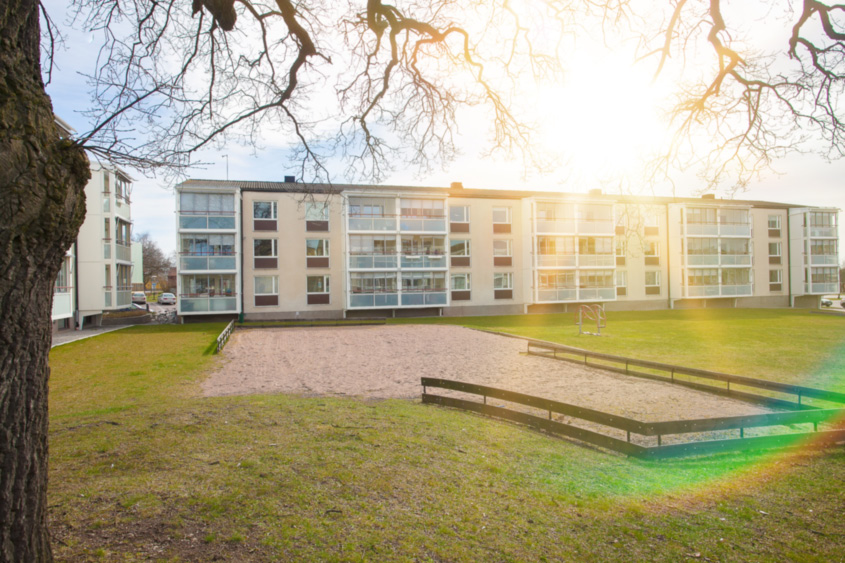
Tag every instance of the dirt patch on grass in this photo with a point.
(388, 361)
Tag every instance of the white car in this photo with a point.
(139, 297)
(167, 299)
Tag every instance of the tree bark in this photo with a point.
(42, 205)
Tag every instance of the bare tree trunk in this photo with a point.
(42, 205)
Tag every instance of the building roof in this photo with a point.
(456, 191)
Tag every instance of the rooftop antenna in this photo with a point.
(226, 156)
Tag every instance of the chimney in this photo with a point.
(708, 196)
(595, 191)
(290, 179)
(457, 185)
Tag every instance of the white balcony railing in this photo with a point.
(596, 260)
(555, 295)
(820, 231)
(719, 229)
(556, 261)
(62, 304)
(376, 299)
(597, 294)
(423, 224)
(596, 226)
(204, 263)
(123, 252)
(373, 261)
(823, 259)
(192, 303)
(378, 223)
(220, 221)
(414, 261)
(735, 259)
(424, 298)
(821, 288)
(718, 290)
(555, 226)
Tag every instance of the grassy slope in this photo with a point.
(779, 344)
(143, 469)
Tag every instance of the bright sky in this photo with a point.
(597, 129)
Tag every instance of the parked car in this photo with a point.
(167, 299)
(827, 303)
(139, 297)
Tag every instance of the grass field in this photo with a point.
(143, 468)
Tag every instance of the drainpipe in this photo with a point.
(241, 275)
(789, 259)
(76, 285)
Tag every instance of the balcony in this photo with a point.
(554, 295)
(821, 288)
(718, 290)
(556, 226)
(205, 303)
(718, 259)
(371, 223)
(735, 260)
(423, 224)
(372, 261)
(62, 303)
(414, 261)
(422, 298)
(820, 231)
(719, 229)
(822, 259)
(204, 262)
(597, 294)
(556, 260)
(207, 220)
(123, 251)
(123, 296)
(375, 299)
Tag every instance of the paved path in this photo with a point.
(67, 336)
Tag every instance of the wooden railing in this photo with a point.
(224, 336)
(832, 417)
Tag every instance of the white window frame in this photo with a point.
(274, 212)
(326, 288)
(779, 276)
(507, 210)
(313, 207)
(325, 246)
(655, 245)
(620, 244)
(509, 247)
(621, 278)
(275, 248)
(507, 280)
(467, 282)
(778, 247)
(777, 221)
(274, 284)
(466, 213)
(656, 274)
(468, 247)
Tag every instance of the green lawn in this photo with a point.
(778, 344)
(143, 468)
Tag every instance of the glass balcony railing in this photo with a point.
(718, 290)
(823, 259)
(193, 303)
(423, 261)
(702, 259)
(718, 259)
(370, 300)
(376, 223)
(123, 251)
(556, 260)
(821, 288)
(819, 231)
(719, 229)
(373, 261)
(423, 298)
(597, 293)
(596, 226)
(553, 295)
(214, 262)
(207, 221)
(423, 224)
(595, 260)
(123, 297)
(555, 226)
(107, 293)
(735, 259)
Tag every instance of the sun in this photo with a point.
(603, 120)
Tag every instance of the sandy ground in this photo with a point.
(388, 361)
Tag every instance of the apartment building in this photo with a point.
(97, 273)
(278, 250)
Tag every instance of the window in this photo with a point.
(731, 246)
(652, 217)
(459, 247)
(266, 285)
(702, 276)
(207, 204)
(596, 278)
(378, 282)
(733, 216)
(317, 284)
(556, 246)
(265, 248)
(502, 247)
(317, 211)
(823, 247)
(107, 228)
(317, 247)
(736, 276)
(503, 281)
(63, 279)
(701, 215)
(372, 244)
(774, 249)
(621, 247)
(419, 245)
(460, 282)
(774, 223)
(264, 210)
(459, 214)
(825, 275)
(422, 208)
(423, 281)
(652, 279)
(775, 276)
(651, 248)
(209, 284)
(595, 245)
(556, 280)
(621, 278)
(702, 246)
(822, 219)
(502, 215)
(208, 245)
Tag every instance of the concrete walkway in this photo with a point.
(68, 336)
